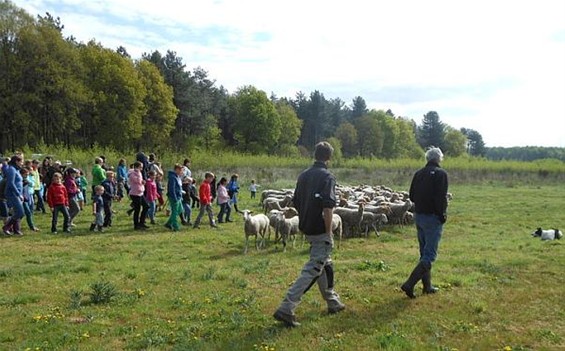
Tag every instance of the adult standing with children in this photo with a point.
(136, 193)
(14, 194)
(428, 191)
(314, 198)
(98, 174)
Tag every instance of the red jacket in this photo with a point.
(57, 195)
(205, 194)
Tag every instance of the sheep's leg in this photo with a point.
(256, 243)
(376, 230)
(246, 244)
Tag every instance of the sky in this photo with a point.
(497, 67)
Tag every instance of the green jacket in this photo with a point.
(98, 175)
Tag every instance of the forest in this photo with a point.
(55, 90)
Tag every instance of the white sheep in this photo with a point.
(337, 228)
(288, 212)
(372, 220)
(287, 228)
(351, 218)
(272, 203)
(254, 226)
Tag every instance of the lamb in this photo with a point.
(254, 226)
(398, 210)
(288, 228)
(351, 218)
(550, 234)
(337, 228)
(289, 212)
(272, 203)
(372, 220)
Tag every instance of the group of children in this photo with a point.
(64, 190)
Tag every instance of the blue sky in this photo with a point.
(494, 66)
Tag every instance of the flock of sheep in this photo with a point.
(360, 210)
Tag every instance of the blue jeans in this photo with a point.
(429, 234)
(187, 210)
(225, 208)
(151, 210)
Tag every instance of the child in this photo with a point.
(37, 186)
(109, 185)
(72, 191)
(253, 188)
(151, 195)
(97, 208)
(160, 190)
(122, 179)
(187, 211)
(82, 185)
(233, 189)
(174, 195)
(223, 201)
(206, 201)
(194, 194)
(28, 182)
(58, 201)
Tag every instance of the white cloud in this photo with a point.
(495, 61)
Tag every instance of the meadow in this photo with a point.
(195, 290)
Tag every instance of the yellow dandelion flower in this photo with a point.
(507, 348)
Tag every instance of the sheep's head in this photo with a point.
(246, 213)
(290, 212)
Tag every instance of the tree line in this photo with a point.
(56, 90)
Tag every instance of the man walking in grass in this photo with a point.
(428, 191)
(314, 198)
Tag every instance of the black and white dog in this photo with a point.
(550, 234)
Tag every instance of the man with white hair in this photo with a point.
(428, 191)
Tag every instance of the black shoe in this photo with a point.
(139, 227)
(408, 291)
(153, 222)
(92, 226)
(168, 226)
(144, 226)
(288, 319)
(18, 233)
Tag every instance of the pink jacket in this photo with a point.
(223, 196)
(151, 193)
(136, 186)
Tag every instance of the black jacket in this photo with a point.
(428, 191)
(315, 190)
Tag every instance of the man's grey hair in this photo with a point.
(434, 154)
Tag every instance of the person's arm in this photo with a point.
(94, 207)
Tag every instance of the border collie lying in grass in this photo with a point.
(549, 234)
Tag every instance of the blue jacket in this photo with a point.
(174, 186)
(14, 182)
(122, 173)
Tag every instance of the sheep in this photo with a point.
(272, 203)
(289, 212)
(372, 220)
(398, 210)
(350, 218)
(254, 226)
(337, 228)
(274, 193)
(287, 227)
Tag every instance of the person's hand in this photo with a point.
(443, 218)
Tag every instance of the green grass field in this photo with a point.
(195, 290)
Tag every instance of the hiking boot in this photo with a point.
(337, 308)
(288, 319)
